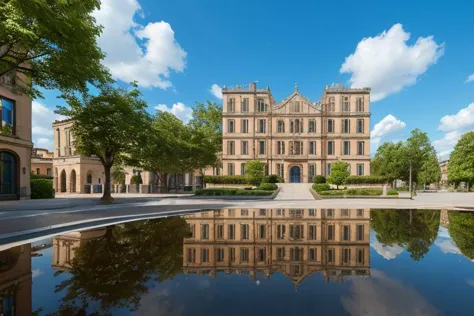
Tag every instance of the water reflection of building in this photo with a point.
(15, 281)
(444, 218)
(64, 247)
(295, 242)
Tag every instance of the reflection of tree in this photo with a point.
(113, 269)
(461, 230)
(415, 230)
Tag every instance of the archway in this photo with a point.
(72, 184)
(63, 181)
(295, 174)
(9, 174)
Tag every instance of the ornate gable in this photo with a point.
(296, 103)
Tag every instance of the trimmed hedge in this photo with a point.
(273, 178)
(366, 180)
(355, 192)
(231, 192)
(42, 189)
(225, 179)
(392, 192)
(319, 187)
(40, 176)
(268, 186)
(319, 179)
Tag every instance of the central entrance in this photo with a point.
(295, 174)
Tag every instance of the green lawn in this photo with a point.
(357, 192)
(232, 192)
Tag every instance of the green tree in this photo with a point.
(430, 171)
(461, 230)
(389, 161)
(118, 174)
(461, 162)
(50, 44)
(415, 230)
(419, 152)
(339, 173)
(254, 172)
(107, 125)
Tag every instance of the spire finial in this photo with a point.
(296, 87)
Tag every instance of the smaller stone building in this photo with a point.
(42, 162)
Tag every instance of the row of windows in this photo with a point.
(296, 126)
(280, 169)
(296, 212)
(295, 254)
(297, 106)
(295, 148)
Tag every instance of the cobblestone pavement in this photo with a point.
(294, 191)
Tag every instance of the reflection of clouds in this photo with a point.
(203, 284)
(36, 272)
(470, 282)
(381, 295)
(157, 302)
(443, 232)
(388, 252)
(447, 246)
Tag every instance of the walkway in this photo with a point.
(294, 191)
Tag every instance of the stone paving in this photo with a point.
(294, 191)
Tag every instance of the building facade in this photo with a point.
(295, 242)
(296, 138)
(15, 142)
(42, 162)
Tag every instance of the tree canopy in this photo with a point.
(50, 44)
(339, 173)
(254, 172)
(461, 230)
(107, 125)
(461, 162)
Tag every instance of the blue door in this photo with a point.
(295, 174)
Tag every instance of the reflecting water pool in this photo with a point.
(251, 262)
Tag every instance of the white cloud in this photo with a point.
(181, 111)
(454, 127)
(470, 78)
(42, 118)
(447, 246)
(216, 91)
(36, 272)
(389, 126)
(388, 252)
(387, 64)
(146, 53)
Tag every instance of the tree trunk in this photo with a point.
(107, 196)
(164, 182)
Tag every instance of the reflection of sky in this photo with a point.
(386, 251)
(445, 242)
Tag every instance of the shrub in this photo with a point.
(40, 176)
(319, 187)
(339, 173)
(273, 178)
(268, 186)
(254, 172)
(136, 179)
(42, 189)
(371, 192)
(225, 179)
(392, 192)
(319, 179)
(366, 180)
(231, 192)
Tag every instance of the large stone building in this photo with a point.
(296, 138)
(15, 142)
(42, 162)
(295, 242)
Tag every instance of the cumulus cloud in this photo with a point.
(470, 78)
(216, 91)
(42, 119)
(387, 64)
(447, 246)
(387, 252)
(454, 127)
(146, 53)
(388, 127)
(181, 111)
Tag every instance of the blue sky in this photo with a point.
(416, 58)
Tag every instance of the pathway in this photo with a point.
(294, 191)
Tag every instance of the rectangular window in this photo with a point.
(360, 212)
(296, 232)
(231, 105)
(296, 254)
(360, 169)
(312, 148)
(312, 254)
(48, 172)
(191, 255)
(360, 148)
(220, 231)
(230, 126)
(261, 147)
(244, 254)
(330, 126)
(280, 170)
(345, 212)
(360, 256)
(346, 256)
(346, 105)
(261, 126)
(312, 232)
(220, 254)
(242, 168)
(244, 149)
(262, 231)
(204, 255)
(280, 212)
(331, 104)
(312, 212)
(360, 126)
(262, 212)
(245, 105)
(296, 148)
(191, 231)
(346, 148)
(331, 257)
(261, 106)
(261, 254)
(280, 253)
(232, 254)
(231, 231)
(244, 212)
(328, 169)
(204, 231)
(331, 232)
(231, 148)
(330, 212)
(360, 232)
(245, 126)
(7, 113)
(312, 126)
(230, 169)
(280, 147)
(346, 233)
(296, 212)
(295, 106)
(360, 105)
(331, 147)
(244, 231)
(37, 170)
(346, 126)
(281, 230)
(281, 126)
(312, 172)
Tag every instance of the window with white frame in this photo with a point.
(230, 169)
(230, 126)
(244, 149)
(330, 147)
(296, 148)
(261, 125)
(262, 147)
(280, 170)
(280, 147)
(330, 126)
(245, 105)
(245, 126)
(242, 168)
(261, 106)
(332, 104)
(312, 172)
(360, 126)
(360, 104)
(346, 147)
(312, 147)
(312, 126)
(231, 105)
(360, 148)
(346, 105)
(281, 126)
(360, 169)
(231, 147)
(346, 126)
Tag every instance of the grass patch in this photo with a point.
(232, 192)
(357, 192)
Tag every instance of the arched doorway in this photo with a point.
(72, 185)
(63, 181)
(9, 174)
(295, 174)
